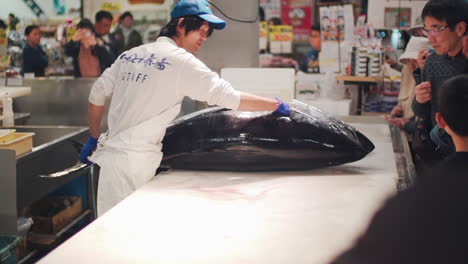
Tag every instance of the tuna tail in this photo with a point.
(367, 145)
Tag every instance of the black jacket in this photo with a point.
(105, 58)
(34, 60)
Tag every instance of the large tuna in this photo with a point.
(221, 139)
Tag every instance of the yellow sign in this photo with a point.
(281, 33)
(5, 61)
(3, 37)
(108, 6)
(263, 30)
(70, 32)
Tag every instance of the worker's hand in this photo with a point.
(397, 111)
(423, 92)
(465, 46)
(283, 108)
(79, 35)
(89, 42)
(399, 121)
(87, 150)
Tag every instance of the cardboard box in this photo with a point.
(53, 213)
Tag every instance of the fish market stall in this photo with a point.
(242, 217)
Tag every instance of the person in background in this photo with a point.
(103, 37)
(415, 31)
(445, 24)
(89, 58)
(12, 22)
(125, 36)
(2, 24)
(310, 61)
(146, 87)
(35, 60)
(402, 115)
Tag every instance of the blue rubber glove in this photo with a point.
(283, 108)
(87, 150)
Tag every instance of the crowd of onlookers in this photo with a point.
(427, 223)
(93, 47)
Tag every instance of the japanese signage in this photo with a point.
(298, 13)
(281, 38)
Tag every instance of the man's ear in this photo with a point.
(179, 22)
(461, 29)
(440, 120)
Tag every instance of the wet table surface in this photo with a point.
(226, 217)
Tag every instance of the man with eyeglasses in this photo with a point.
(445, 24)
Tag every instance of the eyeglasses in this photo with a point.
(433, 32)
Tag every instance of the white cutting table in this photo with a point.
(220, 217)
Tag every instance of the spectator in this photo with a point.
(125, 36)
(2, 24)
(310, 62)
(427, 222)
(35, 60)
(89, 58)
(402, 115)
(12, 22)
(445, 24)
(103, 38)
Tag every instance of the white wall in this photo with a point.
(17, 7)
(237, 45)
(90, 7)
(376, 10)
(22, 11)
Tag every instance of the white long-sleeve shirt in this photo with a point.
(150, 82)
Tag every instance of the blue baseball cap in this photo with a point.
(199, 8)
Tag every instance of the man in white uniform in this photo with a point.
(147, 85)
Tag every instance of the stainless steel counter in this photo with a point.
(56, 101)
(64, 102)
(20, 181)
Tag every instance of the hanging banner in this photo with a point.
(298, 13)
(34, 7)
(272, 8)
(111, 7)
(281, 38)
(337, 28)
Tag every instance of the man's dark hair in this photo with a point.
(191, 23)
(101, 15)
(2, 24)
(85, 23)
(124, 15)
(30, 28)
(453, 103)
(11, 15)
(450, 11)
